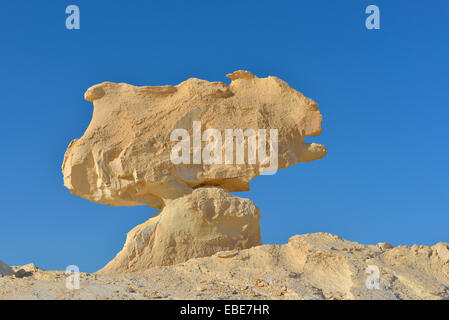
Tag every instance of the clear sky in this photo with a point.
(384, 96)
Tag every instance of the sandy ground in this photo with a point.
(310, 266)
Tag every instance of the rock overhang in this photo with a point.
(123, 158)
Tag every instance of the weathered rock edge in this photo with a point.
(124, 159)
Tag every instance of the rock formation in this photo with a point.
(310, 266)
(127, 157)
(5, 270)
(199, 224)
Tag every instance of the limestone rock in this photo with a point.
(310, 266)
(385, 245)
(30, 267)
(25, 270)
(21, 273)
(123, 158)
(5, 270)
(197, 225)
(126, 158)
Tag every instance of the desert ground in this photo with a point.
(309, 266)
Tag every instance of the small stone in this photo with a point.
(293, 275)
(130, 290)
(385, 245)
(227, 254)
(22, 273)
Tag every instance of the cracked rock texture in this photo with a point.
(124, 159)
(310, 266)
(196, 225)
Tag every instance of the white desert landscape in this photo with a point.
(205, 243)
(311, 266)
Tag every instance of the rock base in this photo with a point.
(200, 224)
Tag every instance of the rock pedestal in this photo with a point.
(197, 225)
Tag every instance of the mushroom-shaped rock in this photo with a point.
(156, 145)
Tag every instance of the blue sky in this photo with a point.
(384, 96)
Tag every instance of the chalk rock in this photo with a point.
(310, 266)
(200, 224)
(5, 270)
(131, 154)
(385, 245)
(123, 158)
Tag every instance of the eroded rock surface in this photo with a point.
(125, 158)
(310, 266)
(197, 225)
